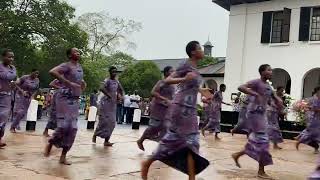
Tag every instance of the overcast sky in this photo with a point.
(167, 24)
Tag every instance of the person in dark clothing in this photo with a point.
(94, 98)
(120, 109)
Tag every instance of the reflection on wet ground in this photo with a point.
(23, 158)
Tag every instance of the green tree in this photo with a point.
(207, 60)
(141, 77)
(39, 32)
(107, 33)
(96, 71)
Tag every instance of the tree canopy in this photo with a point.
(40, 31)
(141, 77)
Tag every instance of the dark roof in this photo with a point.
(162, 63)
(227, 3)
(210, 70)
(216, 69)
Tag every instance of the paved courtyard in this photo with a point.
(23, 158)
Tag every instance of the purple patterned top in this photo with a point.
(184, 112)
(157, 106)
(217, 101)
(72, 73)
(7, 75)
(113, 87)
(28, 84)
(314, 117)
(186, 93)
(265, 91)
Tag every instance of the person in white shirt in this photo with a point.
(134, 99)
(126, 105)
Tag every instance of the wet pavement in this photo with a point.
(23, 158)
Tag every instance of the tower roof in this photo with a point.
(208, 43)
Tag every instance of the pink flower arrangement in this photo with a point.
(300, 106)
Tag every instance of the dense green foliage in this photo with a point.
(207, 60)
(40, 31)
(141, 77)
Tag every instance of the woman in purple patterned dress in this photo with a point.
(257, 147)
(70, 74)
(162, 95)
(179, 148)
(7, 76)
(112, 90)
(52, 122)
(242, 120)
(311, 135)
(274, 132)
(27, 85)
(214, 114)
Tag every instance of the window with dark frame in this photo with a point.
(315, 25)
(276, 26)
(277, 21)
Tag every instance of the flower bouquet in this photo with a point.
(300, 108)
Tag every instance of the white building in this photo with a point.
(282, 33)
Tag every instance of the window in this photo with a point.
(276, 26)
(277, 21)
(315, 25)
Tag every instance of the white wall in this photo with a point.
(245, 53)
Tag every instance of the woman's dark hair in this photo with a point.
(34, 70)
(263, 67)
(112, 68)
(191, 46)
(316, 90)
(280, 88)
(69, 51)
(166, 70)
(222, 86)
(4, 52)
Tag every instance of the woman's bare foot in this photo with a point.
(13, 130)
(297, 145)
(108, 144)
(2, 144)
(203, 132)
(94, 139)
(47, 150)
(45, 133)
(235, 157)
(64, 162)
(140, 145)
(217, 137)
(144, 170)
(263, 175)
(275, 146)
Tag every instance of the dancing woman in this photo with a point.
(214, 114)
(112, 90)
(242, 124)
(26, 86)
(70, 74)
(257, 147)
(52, 122)
(179, 148)
(274, 131)
(162, 95)
(7, 76)
(311, 135)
